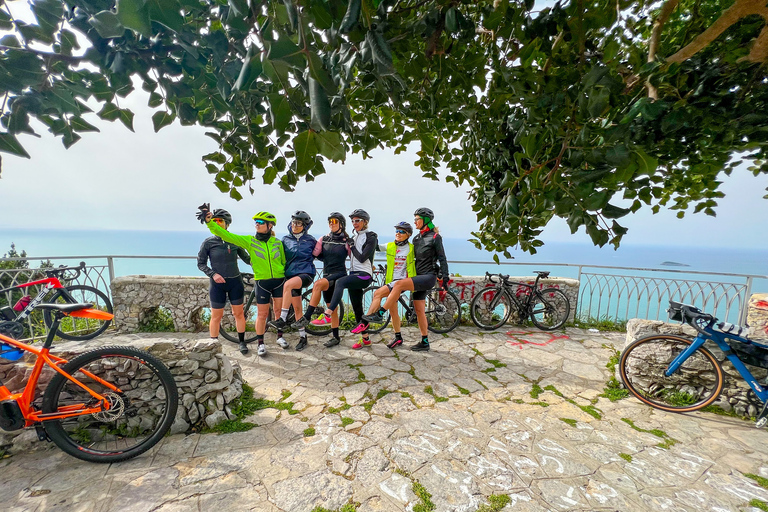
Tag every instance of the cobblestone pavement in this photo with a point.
(502, 413)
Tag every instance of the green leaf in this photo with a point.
(597, 200)
(126, 117)
(614, 212)
(270, 173)
(451, 21)
(155, 100)
(9, 144)
(134, 14)
(280, 112)
(162, 119)
(107, 24)
(330, 146)
(598, 101)
(320, 107)
(646, 164)
(318, 72)
(250, 70)
(234, 194)
(306, 151)
(109, 112)
(81, 125)
(167, 13)
(286, 50)
(493, 20)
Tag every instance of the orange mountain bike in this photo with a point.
(105, 405)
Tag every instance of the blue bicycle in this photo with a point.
(678, 374)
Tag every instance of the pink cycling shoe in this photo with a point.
(360, 344)
(323, 320)
(359, 328)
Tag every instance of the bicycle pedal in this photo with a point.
(42, 435)
(762, 418)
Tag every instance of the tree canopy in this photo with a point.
(587, 110)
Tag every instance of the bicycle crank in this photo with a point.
(12, 329)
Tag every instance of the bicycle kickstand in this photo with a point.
(762, 418)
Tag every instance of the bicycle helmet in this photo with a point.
(405, 227)
(302, 216)
(338, 216)
(266, 217)
(222, 214)
(425, 212)
(360, 214)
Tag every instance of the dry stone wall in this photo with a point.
(208, 381)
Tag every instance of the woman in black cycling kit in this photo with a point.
(430, 263)
(224, 275)
(333, 251)
(362, 247)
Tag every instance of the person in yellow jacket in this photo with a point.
(268, 262)
(401, 263)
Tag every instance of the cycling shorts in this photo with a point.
(269, 288)
(328, 294)
(306, 279)
(422, 284)
(232, 287)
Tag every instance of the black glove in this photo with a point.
(445, 282)
(350, 242)
(203, 212)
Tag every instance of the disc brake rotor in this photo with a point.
(116, 407)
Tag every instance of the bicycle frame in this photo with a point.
(719, 338)
(50, 283)
(44, 357)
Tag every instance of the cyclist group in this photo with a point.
(282, 268)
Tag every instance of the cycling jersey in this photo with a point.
(223, 256)
(400, 261)
(267, 256)
(428, 251)
(298, 252)
(363, 248)
(332, 250)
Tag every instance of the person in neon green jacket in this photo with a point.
(268, 262)
(401, 263)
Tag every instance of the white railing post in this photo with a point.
(111, 266)
(744, 307)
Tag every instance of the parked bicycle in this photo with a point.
(493, 306)
(679, 374)
(12, 319)
(442, 307)
(105, 405)
(251, 312)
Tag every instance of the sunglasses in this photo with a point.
(219, 220)
(259, 222)
(297, 223)
(356, 221)
(401, 232)
(333, 221)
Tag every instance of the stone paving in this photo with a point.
(501, 413)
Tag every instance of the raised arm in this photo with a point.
(243, 241)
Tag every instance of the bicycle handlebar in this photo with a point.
(691, 315)
(501, 277)
(60, 270)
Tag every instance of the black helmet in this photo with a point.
(338, 216)
(222, 214)
(302, 216)
(425, 212)
(360, 214)
(405, 227)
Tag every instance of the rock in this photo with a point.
(215, 418)
(179, 426)
(211, 376)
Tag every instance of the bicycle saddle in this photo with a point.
(64, 308)
(542, 274)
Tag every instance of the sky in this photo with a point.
(117, 179)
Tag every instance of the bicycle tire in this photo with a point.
(70, 327)
(367, 298)
(696, 384)
(319, 330)
(549, 309)
(251, 311)
(80, 435)
(490, 312)
(443, 310)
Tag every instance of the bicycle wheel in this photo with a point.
(318, 330)
(550, 309)
(443, 310)
(139, 416)
(80, 329)
(367, 298)
(696, 383)
(490, 308)
(250, 310)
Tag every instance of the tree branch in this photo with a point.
(734, 13)
(666, 11)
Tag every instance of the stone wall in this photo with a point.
(757, 317)
(207, 380)
(136, 297)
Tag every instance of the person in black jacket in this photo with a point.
(333, 251)
(431, 264)
(225, 276)
(362, 247)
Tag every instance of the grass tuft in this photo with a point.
(309, 431)
(496, 502)
(346, 421)
(627, 457)
(759, 504)
(569, 421)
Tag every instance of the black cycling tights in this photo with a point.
(355, 283)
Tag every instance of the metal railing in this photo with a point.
(610, 292)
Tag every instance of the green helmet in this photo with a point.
(266, 217)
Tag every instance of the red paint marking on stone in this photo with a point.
(762, 304)
(519, 342)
